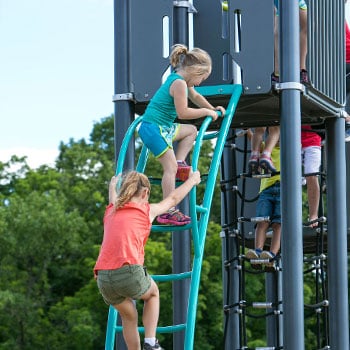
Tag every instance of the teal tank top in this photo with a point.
(161, 108)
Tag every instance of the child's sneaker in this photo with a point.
(146, 346)
(275, 78)
(266, 164)
(183, 170)
(254, 254)
(174, 218)
(304, 76)
(253, 165)
(270, 265)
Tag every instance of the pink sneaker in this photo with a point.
(266, 164)
(183, 171)
(174, 218)
(253, 165)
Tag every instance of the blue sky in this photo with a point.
(56, 73)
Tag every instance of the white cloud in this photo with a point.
(35, 156)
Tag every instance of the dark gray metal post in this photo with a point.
(337, 235)
(291, 194)
(229, 252)
(181, 241)
(123, 108)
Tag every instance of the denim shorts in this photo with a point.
(130, 281)
(157, 138)
(269, 203)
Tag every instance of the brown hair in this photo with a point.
(196, 61)
(131, 184)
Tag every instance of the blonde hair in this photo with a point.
(196, 62)
(131, 185)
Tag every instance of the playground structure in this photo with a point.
(240, 43)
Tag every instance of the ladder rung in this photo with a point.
(201, 209)
(262, 305)
(254, 219)
(172, 277)
(170, 228)
(163, 329)
(323, 303)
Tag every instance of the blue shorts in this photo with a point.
(269, 203)
(302, 5)
(158, 139)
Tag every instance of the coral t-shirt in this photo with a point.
(126, 231)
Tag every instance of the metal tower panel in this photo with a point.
(149, 38)
(256, 48)
(211, 33)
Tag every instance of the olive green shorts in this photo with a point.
(129, 281)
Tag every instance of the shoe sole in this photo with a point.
(251, 256)
(269, 266)
(253, 168)
(267, 167)
(173, 223)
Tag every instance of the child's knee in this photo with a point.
(193, 131)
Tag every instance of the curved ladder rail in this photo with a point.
(198, 226)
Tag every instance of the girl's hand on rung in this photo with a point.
(221, 110)
(195, 176)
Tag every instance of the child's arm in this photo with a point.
(179, 91)
(200, 101)
(175, 196)
(112, 191)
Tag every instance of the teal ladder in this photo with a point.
(199, 213)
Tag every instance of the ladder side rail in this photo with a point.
(193, 209)
(197, 261)
(141, 164)
(111, 323)
(215, 164)
(125, 144)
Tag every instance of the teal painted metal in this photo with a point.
(203, 222)
(197, 226)
(111, 325)
(165, 329)
(126, 141)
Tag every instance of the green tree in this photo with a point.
(50, 234)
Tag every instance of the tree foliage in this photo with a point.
(50, 234)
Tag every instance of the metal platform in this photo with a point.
(264, 109)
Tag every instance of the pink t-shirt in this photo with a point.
(309, 138)
(125, 234)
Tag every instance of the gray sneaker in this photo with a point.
(270, 264)
(253, 255)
